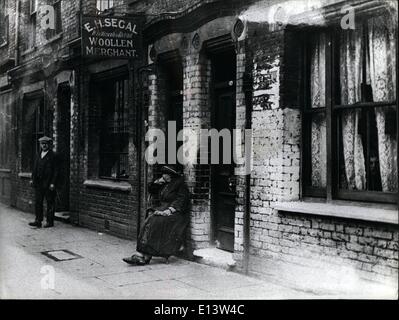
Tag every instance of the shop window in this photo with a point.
(51, 33)
(4, 22)
(350, 119)
(34, 126)
(114, 136)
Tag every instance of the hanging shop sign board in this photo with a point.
(109, 37)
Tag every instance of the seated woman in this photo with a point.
(163, 232)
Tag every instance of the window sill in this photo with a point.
(5, 170)
(341, 209)
(25, 175)
(108, 185)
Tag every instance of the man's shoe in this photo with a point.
(48, 225)
(35, 224)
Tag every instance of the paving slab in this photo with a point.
(167, 289)
(125, 278)
(100, 273)
(225, 280)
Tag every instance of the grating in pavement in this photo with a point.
(61, 255)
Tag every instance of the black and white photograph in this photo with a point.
(201, 150)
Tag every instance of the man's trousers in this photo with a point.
(40, 194)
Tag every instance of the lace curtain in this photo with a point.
(318, 100)
(380, 75)
(350, 80)
(382, 62)
(374, 41)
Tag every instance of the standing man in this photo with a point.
(44, 180)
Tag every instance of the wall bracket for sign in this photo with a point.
(112, 37)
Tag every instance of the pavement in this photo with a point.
(70, 262)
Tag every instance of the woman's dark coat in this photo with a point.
(163, 236)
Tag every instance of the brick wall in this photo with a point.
(369, 250)
(241, 69)
(169, 6)
(196, 115)
(77, 163)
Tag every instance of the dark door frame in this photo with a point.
(222, 45)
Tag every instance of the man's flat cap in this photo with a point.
(45, 139)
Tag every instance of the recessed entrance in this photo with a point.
(223, 195)
(172, 71)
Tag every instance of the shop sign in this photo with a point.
(110, 37)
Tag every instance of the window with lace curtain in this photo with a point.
(350, 117)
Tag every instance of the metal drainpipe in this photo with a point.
(247, 197)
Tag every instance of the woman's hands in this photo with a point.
(161, 180)
(164, 213)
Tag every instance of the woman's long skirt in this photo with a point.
(162, 236)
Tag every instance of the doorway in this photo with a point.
(173, 71)
(63, 147)
(223, 197)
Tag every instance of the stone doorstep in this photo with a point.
(215, 257)
(62, 216)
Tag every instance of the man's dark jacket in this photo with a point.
(46, 170)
